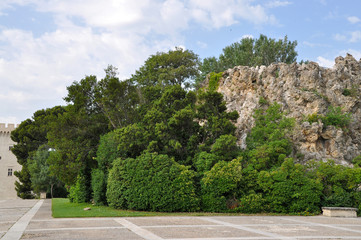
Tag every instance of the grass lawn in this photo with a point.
(62, 208)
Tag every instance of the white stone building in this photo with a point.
(8, 163)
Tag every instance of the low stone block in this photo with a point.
(339, 212)
(43, 195)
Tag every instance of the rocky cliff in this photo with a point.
(301, 90)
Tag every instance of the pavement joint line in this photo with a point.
(223, 238)
(17, 230)
(71, 219)
(181, 226)
(323, 225)
(259, 238)
(71, 229)
(268, 234)
(138, 230)
(218, 225)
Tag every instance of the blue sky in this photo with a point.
(45, 45)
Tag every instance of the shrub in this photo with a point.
(99, 187)
(336, 117)
(346, 92)
(152, 182)
(107, 151)
(204, 161)
(220, 184)
(214, 80)
(117, 185)
(252, 203)
(79, 192)
(287, 189)
(340, 183)
(314, 117)
(226, 147)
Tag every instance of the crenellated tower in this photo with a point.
(8, 163)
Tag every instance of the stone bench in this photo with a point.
(339, 212)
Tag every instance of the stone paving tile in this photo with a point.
(325, 220)
(358, 228)
(305, 230)
(70, 223)
(201, 232)
(45, 211)
(82, 234)
(254, 220)
(11, 214)
(4, 226)
(165, 221)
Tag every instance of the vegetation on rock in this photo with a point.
(154, 143)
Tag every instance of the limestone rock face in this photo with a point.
(301, 90)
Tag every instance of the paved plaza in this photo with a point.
(31, 219)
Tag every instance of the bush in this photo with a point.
(340, 183)
(152, 182)
(99, 187)
(204, 161)
(107, 151)
(336, 117)
(267, 144)
(226, 147)
(252, 203)
(79, 192)
(314, 117)
(287, 189)
(214, 80)
(220, 184)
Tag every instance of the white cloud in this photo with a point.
(355, 53)
(340, 37)
(277, 3)
(325, 62)
(355, 36)
(247, 36)
(35, 70)
(202, 44)
(353, 19)
(216, 14)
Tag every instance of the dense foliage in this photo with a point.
(153, 143)
(250, 52)
(152, 182)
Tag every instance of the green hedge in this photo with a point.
(152, 182)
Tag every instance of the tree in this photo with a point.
(29, 136)
(250, 52)
(267, 143)
(118, 100)
(174, 67)
(41, 180)
(76, 133)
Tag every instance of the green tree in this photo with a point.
(174, 67)
(75, 137)
(41, 180)
(118, 100)
(250, 52)
(211, 112)
(267, 143)
(29, 136)
(220, 185)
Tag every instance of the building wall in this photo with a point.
(8, 163)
